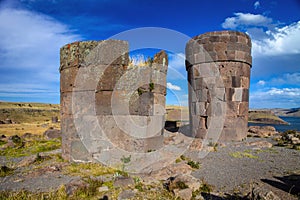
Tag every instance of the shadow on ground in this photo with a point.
(289, 184)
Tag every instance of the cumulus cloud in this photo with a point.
(246, 19)
(256, 5)
(29, 47)
(280, 41)
(173, 87)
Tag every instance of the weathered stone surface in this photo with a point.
(123, 182)
(52, 133)
(218, 65)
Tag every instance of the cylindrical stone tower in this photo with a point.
(218, 66)
(108, 105)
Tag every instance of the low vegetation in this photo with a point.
(244, 154)
(289, 139)
(88, 169)
(28, 147)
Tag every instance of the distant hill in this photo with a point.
(265, 116)
(293, 112)
(28, 112)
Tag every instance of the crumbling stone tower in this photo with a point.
(107, 103)
(218, 66)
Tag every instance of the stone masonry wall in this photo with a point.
(107, 104)
(218, 66)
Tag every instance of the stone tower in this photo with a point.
(107, 104)
(218, 66)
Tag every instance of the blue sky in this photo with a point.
(32, 32)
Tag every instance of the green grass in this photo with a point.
(244, 154)
(257, 116)
(88, 169)
(28, 112)
(193, 164)
(31, 147)
(5, 171)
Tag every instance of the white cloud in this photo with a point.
(286, 92)
(246, 19)
(287, 79)
(173, 87)
(280, 41)
(29, 46)
(256, 5)
(261, 82)
(275, 98)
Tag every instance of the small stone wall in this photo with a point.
(218, 66)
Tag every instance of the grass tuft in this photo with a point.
(88, 169)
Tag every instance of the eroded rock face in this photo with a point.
(218, 66)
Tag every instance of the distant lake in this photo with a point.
(293, 121)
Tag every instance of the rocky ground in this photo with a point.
(264, 166)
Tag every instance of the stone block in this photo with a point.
(232, 108)
(243, 108)
(159, 104)
(229, 94)
(66, 103)
(245, 96)
(215, 122)
(238, 94)
(199, 58)
(134, 78)
(245, 82)
(119, 103)
(132, 132)
(79, 153)
(146, 104)
(200, 108)
(67, 79)
(216, 109)
(153, 143)
(216, 94)
(110, 76)
(236, 81)
(202, 95)
(103, 102)
(200, 133)
(108, 52)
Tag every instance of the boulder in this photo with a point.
(126, 194)
(185, 194)
(28, 161)
(123, 182)
(171, 170)
(261, 193)
(261, 131)
(75, 185)
(261, 144)
(52, 133)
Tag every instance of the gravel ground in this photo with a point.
(277, 168)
